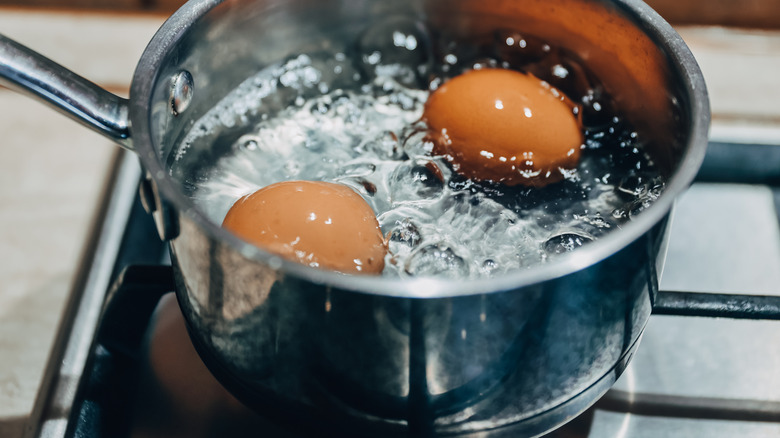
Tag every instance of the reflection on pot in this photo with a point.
(391, 356)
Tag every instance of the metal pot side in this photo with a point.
(384, 366)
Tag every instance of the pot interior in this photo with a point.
(644, 71)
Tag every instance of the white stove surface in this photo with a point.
(725, 238)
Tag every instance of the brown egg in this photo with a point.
(504, 126)
(318, 224)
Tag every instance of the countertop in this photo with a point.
(52, 174)
(53, 171)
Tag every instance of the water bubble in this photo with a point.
(596, 221)
(488, 267)
(644, 201)
(313, 144)
(407, 102)
(657, 188)
(363, 186)
(437, 260)
(349, 110)
(248, 143)
(637, 207)
(485, 63)
(565, 242)
(416, 180)
(299, 73)
(373, 58)
(407, 41)
(292, 168)
(397, 48)
(416, 141)
(357, 169)
(386, 145)
(336, 71)
(320, 107)
(519, 50)
(596, 111)
(560, 71)
(435, 83)
(368, 186)
(406, 232)
(633, 185)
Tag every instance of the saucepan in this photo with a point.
(517, 354)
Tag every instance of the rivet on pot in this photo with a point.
(181, 92)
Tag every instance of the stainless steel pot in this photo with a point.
(515, 355)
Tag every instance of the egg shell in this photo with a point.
(504, 126)
(319, 224)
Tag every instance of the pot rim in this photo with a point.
(685, 69)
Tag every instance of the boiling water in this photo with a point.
(355, 119)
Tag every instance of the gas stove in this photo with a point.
(693, 376)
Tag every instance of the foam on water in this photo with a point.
(323, 117)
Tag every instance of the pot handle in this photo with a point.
(32, 74)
